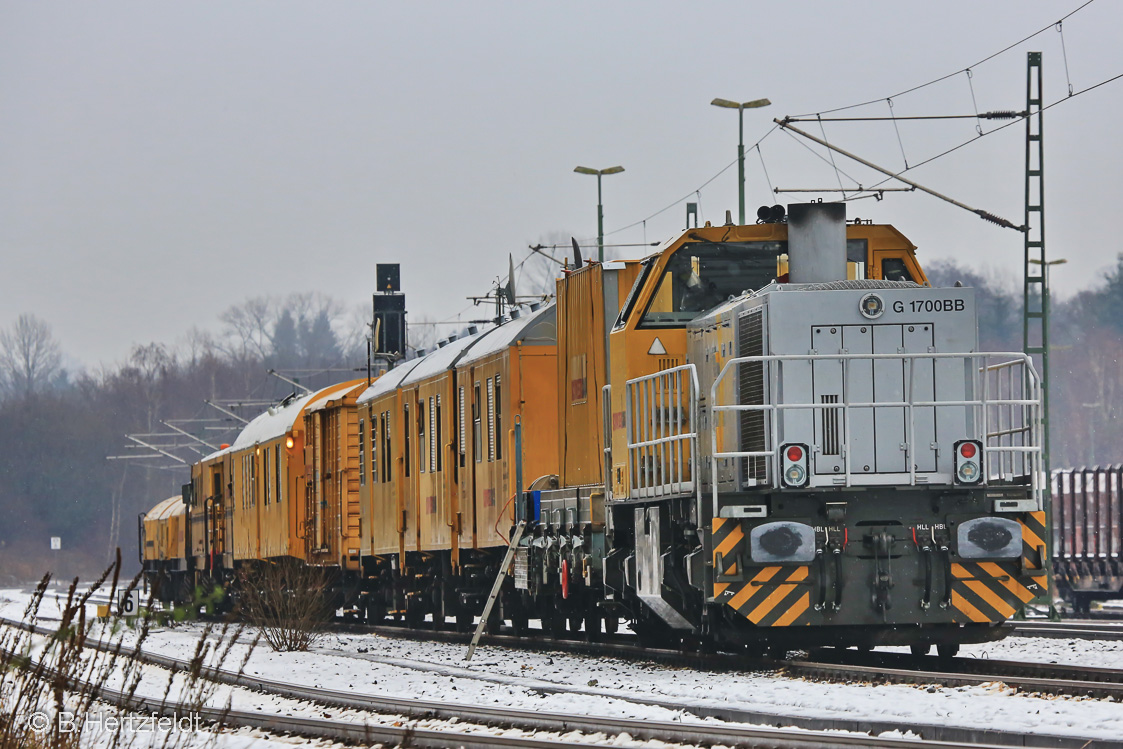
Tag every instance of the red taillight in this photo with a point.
(795, 453)
(967, 450)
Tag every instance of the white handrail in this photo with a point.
(662, 450)
(1030, 402)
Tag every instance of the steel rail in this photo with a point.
(1080, 630)
(485, 717)
(866, 731)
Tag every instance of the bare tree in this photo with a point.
(288, 600)
(249, 326)
(29, 355)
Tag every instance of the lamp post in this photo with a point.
(741, 107)
(1049, 264)
(600, 206)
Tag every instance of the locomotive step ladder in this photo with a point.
(515, 538)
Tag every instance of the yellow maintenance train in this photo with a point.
(759, 436)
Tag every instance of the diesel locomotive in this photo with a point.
(760, 436)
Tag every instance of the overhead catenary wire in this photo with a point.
(693, 192)
(900, 142)
(1064, 55)
(767, 179)
(1021, 116)
(967, 70)
(934, 81)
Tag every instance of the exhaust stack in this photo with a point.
(817, 242)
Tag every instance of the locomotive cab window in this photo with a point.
(893, 269)
(702, 275)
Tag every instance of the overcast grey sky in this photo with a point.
(162, 161)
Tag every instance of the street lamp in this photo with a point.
(741, 107)
(600, 206)
(1049, 264)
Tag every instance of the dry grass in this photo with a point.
(55, 690)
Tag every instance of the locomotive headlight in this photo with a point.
(968, 462)
(793, 465)
(794, 475)
(782, 541)
(871, 306)
(990, 538)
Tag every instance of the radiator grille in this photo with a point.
(830, 426)
(751, 392)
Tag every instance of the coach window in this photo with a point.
(405, 444)
(461, 427)
(437, 440)
(374, 438)
(433, 441)
(490, 420)
(498, 420)
(362, 453)
(477, 436)
(277, 473)
(266, 474)
(421, 435)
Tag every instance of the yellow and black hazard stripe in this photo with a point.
(728, 539)
(987, 591)
(1035, 549)
(776, 596)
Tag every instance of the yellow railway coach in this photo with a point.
(440, 462)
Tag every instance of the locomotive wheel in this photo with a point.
(414, 613)
(556, 624)
(592, 624)
(575, 622)
(921, 649)
(376, 613)
(520, 622)
(947, 650)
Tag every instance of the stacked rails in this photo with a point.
(1087, 539)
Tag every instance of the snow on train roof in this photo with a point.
(167, 508)
(470, 348)
(536, 327)
(327, 395)
(269, 425)
(388, 381)
(441, 359)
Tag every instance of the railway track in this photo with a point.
(1079, 629)
(474, 726)
(830, 664)
(480, 737)
(770, 729)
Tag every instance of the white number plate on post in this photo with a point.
(128, 602)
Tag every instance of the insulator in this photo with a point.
(1002, 114)
(998, 220)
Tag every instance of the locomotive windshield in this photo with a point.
(702, 275)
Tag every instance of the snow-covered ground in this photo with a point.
(367, 664)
